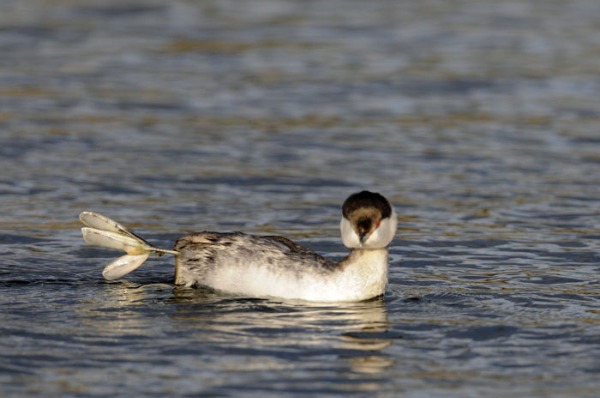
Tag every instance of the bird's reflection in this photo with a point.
(247, 335)
(356, 332)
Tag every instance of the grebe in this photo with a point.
(267, 266)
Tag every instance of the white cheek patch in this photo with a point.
(349, 237)
(379, 239)
(384, 234)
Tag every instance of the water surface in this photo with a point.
(479, 120)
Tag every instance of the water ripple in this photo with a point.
(477, 119)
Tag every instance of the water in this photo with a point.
(479, 120)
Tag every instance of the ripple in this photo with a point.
(478, 121)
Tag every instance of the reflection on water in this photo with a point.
(235, 338)
(478, 119)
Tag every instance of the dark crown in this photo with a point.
(366, 199)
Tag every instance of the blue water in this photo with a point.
(479, 120)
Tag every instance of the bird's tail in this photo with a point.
(102, 231)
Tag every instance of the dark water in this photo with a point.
(480, 120)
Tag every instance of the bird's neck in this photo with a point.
(365, 271)
(367, 258)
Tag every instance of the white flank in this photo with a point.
(363, 278)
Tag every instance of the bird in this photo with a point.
(254, 266)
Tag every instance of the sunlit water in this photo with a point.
(479, 120)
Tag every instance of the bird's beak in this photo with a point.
(362, 237)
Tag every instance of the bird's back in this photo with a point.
(239, 262)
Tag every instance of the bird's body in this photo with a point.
(256, 266)
(270, 266)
